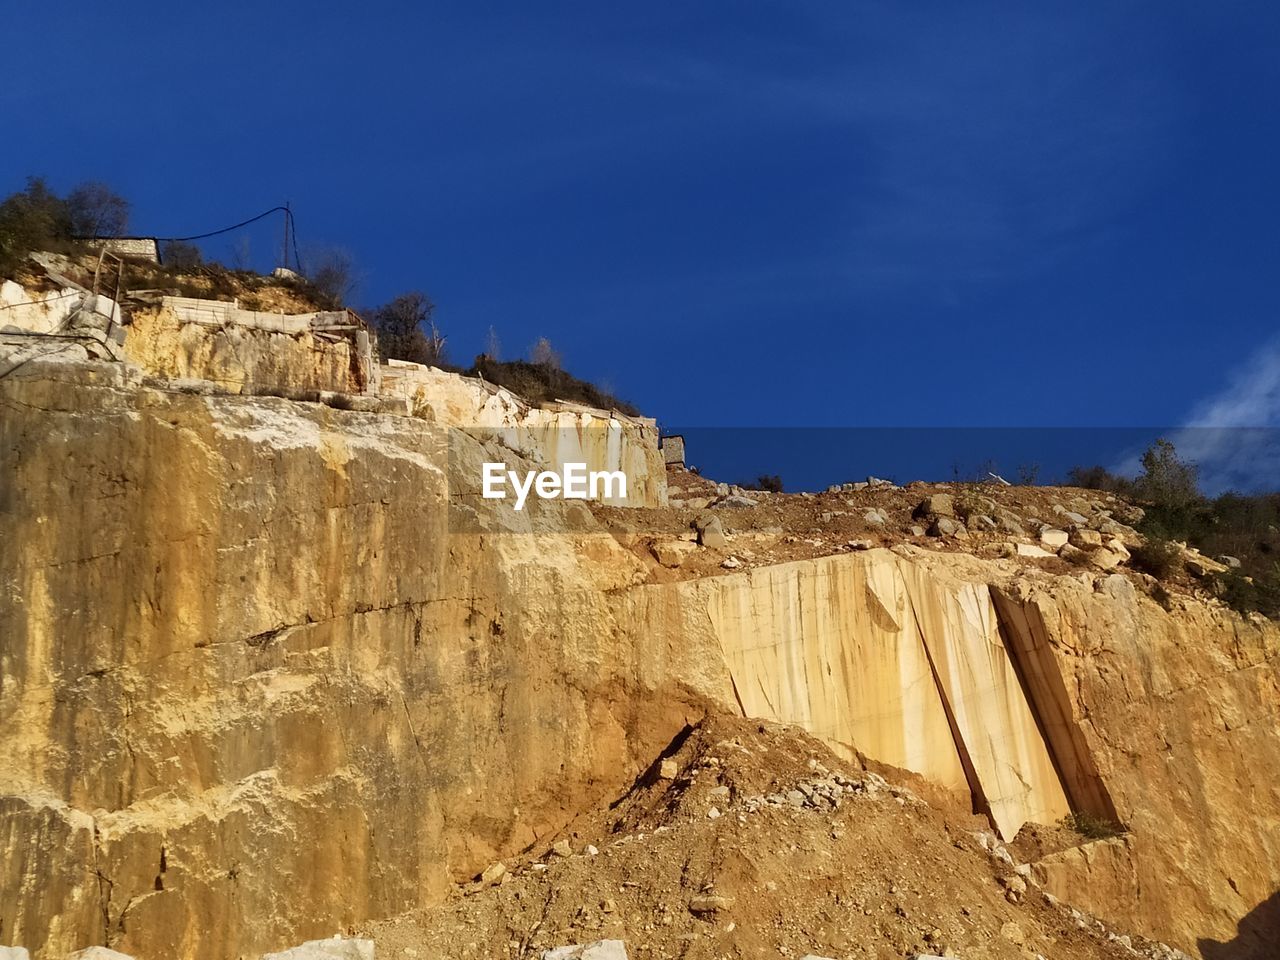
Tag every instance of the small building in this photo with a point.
(672, 450)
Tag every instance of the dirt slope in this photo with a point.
(753, 840)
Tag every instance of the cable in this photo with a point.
(28, 303)
(237, 226)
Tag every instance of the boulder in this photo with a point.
(15, 953)
(668, 769)
(494, 874)
(1086, 539)
(1078, 519)
(1053, 538)
(944, 527)
(711, 532)
(1201, 566)
(981, 522)
(938, 505)
(89, 953)
(1105, 559)
(709, 904)
(1010, 524)
(600, 950)
(736, 500)
(1032, 550)
(672, 553)
(876, 517)
(1071, 554)
(335, 948)
(1228, 561)
(562, 848)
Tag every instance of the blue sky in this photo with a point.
(732, 213)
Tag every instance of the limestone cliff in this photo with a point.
(256, 684)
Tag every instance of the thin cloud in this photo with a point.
(1232, 435)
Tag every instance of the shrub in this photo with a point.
(766, 481)
(1166, 480)
(31, 219)
(1091, 826)
(541, 382)
(1160, 558)
(180, 255)
(402, 327)
(1251, 594)
(1099, 478)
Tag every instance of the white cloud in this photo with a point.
(1233, 434)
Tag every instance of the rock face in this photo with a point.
(254, 689)
(257, 685)
(244, 351)
(877, 653)
(1178, 714)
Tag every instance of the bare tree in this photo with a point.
(97, 211)
(332, 273)
(544, 354)
(241, 254)
(492, 346)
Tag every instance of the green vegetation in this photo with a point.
(539, 382)
(1090, 826)
(1243, 526)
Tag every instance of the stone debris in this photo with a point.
(335, 948)
(89, 953)
(736, 500)
(14, 953)
(668, 769)
(562, 848)
(827, 793)
(600, 950)
(1053, 538)
(732, 563)
(709, 903)
(710, 531)
(878, 517)
(938, 505)
(672, 553)
(494, 874)
(1085, 539)
(1105, 559)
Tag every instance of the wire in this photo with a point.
(237, 226)
(293, 229)
(28, 303)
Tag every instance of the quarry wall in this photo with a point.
(247, 351)
(256, 687)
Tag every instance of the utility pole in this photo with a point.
(284, 247)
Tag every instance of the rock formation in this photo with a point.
(269, 669)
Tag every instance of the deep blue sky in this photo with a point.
(732, 213)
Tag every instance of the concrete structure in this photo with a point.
(131, 248)
(673, 451)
